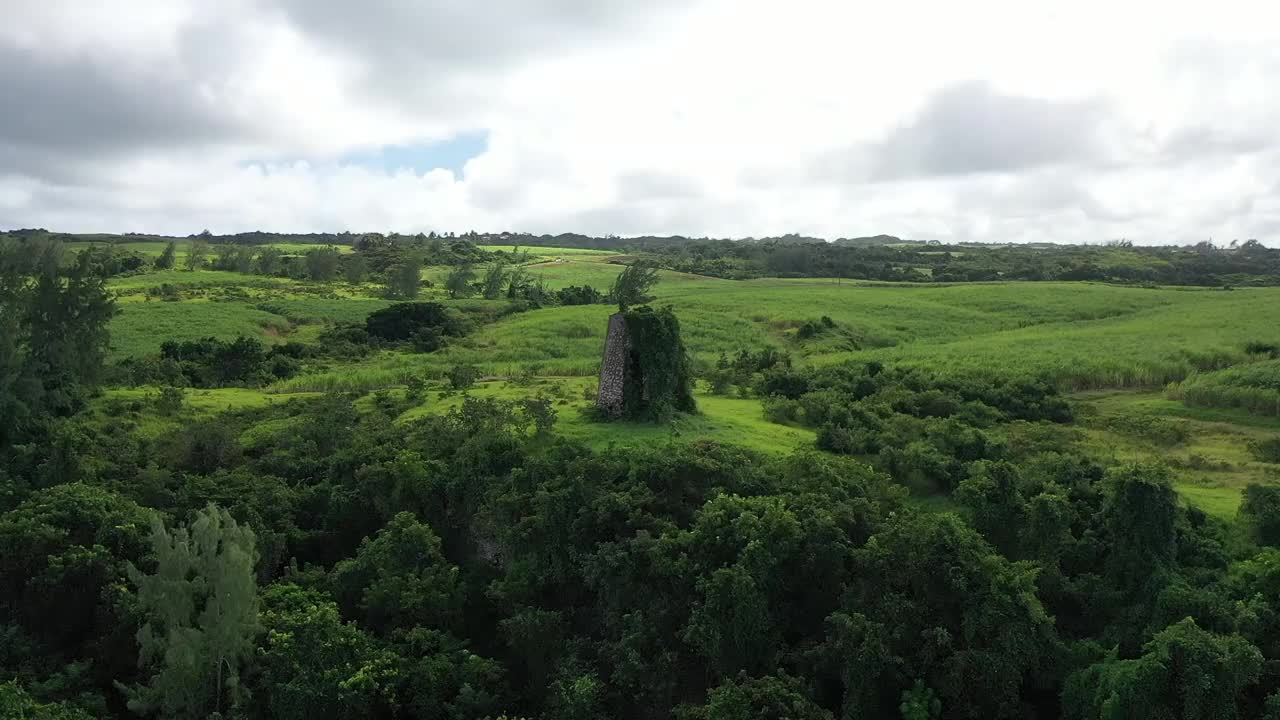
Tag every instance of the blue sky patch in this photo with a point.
(449, 154)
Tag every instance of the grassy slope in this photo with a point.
(1211, 468)
(154, 248)
(730, 420)
(1086, 335)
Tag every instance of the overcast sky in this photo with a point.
(990, 121)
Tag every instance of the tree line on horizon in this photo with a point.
(884, 258)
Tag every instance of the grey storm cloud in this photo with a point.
(446, 53)
(64, 112)
(453, 33)
(971, 128)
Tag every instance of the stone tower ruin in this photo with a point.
(645, 372)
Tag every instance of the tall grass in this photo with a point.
(1254, 387)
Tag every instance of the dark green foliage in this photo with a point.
(53, 338)
(462, 377)
(771, 697)
(745, 369)
(1184, 673)
(1266, 450)
(539, 412)
(399, 580)
(575, 295)
(269, 261)
(313, 666)
(219, 363)
(63, 555)
(1258, 347)
(922, 428)
(404, 321)
(937, 603)
(1140, 513)
(495, 278)
(167, 256)
(106, 261)
(322, 264)
(814, 328)
(1260, 511)
(659, 379)
(405, 277)
(16, 704)
(170, 400)
(233, 258)
(197, 253)
(458, 282)
(919, 703)
(355, 268)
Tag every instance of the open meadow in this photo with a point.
(1122, 350)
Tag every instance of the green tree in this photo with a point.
(1185, 673)
(270, 261)
(632, 285)
(197, 253)
(933, 602)
(999, 511)
(771, 697)
(167, 257)
(494, 278)
(355, 268)
(517, 279)
(66, 339)
(62, 551)
(404, 278)
(322, 263)
(399, 579)
(1141, 513)
(540, 412)
(312, 665)
(462, 377)
(200, 607)
(17, 704)
(1260, 511)
(458, 282)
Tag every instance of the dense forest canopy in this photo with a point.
(946, 544)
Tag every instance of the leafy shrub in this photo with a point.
(781, 410)
(170, 401)
(584, 295)
(402, 321)
(462, 377)
(1267, 450)
(219, 363)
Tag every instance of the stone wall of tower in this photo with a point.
(613, 368)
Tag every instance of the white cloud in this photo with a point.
(989, 120)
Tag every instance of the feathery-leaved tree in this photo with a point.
(201, 611)
(166, 259)
(458, 282)
(494, 278)
(632, 285)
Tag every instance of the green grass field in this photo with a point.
(739, 421)
(1118, 347)
(153, 248)
(1212, 465)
